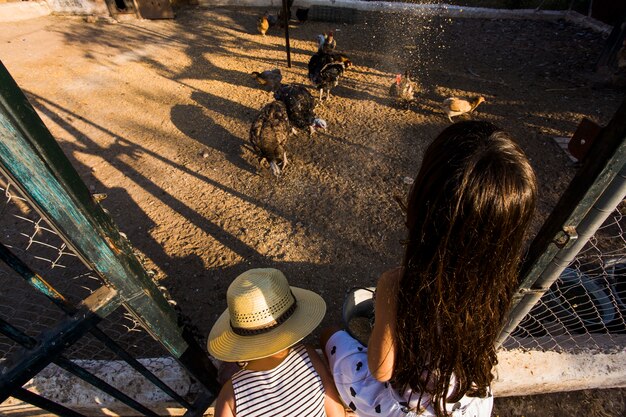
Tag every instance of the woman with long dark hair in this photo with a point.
(437, 317)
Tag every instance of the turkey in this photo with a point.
(326, 67)
(268, 135)
(300, 107)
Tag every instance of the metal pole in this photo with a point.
(604, 162)
(286, 23)
(34, 161)
(606, 204)
(36, 281)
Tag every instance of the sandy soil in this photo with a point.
(156, 115)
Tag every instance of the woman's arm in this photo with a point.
(380, 347)
(332, 403)
(225, 402)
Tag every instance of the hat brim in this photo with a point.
(225, 345)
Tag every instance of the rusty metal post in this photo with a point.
(286, 23)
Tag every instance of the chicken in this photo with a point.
(329, 43)
(302, 14)
(265, 22)
(326, 68)
(455, 106)
(273, 19)
(268, 135)
(402, 89)
(300, 108)
(269, 79)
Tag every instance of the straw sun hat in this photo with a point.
(264, 316)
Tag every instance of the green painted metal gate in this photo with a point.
(36, 174)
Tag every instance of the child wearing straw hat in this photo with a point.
(261, 331)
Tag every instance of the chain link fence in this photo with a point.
(31, 239)
(585, 308)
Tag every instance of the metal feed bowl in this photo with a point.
(358, 307)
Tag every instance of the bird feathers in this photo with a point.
(403, 89)
(268, 134)
(270, 79)
(454, 106)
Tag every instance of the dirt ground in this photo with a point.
(156, 115)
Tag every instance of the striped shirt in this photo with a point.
(291, 389)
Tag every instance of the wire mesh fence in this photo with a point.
(31, 239)
(585, 308)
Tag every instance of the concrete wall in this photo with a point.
(80, 7)
(519, 372)
(23, 10)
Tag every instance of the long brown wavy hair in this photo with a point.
(467, 215)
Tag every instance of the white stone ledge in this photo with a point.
(519, 372)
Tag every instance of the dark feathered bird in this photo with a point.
(302, 14)
(269, 79)
(300, 107)
(268, 135)
(326, 68)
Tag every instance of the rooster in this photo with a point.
(269, 79)
(326, 68)
(455, 106)
(300, 107)
(268, 135)
(330, 43)
(402, 89)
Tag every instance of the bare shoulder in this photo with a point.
(389, 282)
(317, 360)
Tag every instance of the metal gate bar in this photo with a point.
(556, 242)
(32, 159)
(16, 335)
(25, 365)
(64, 363)
(90, 378)
(41, 285)
(44, 403)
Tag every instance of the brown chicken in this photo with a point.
(455, 106)
(262, 24)
(265, 22)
